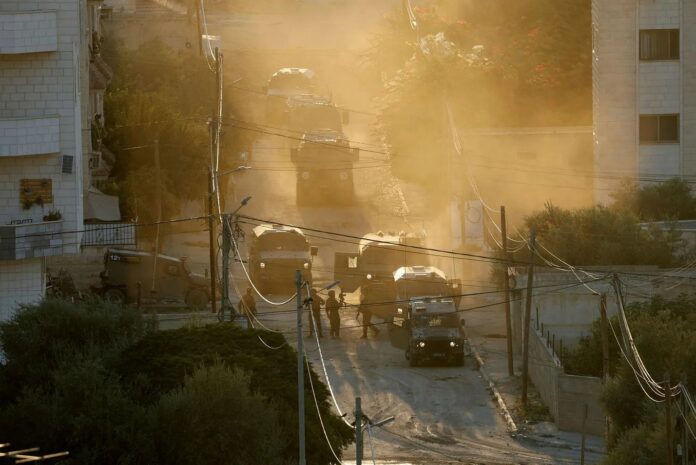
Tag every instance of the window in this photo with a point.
(659, 129)
(659, 44)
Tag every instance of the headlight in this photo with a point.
(399, 311)
(306, 265)
(369, 276)
(455, 285)
(262, 265)
(305, 175)
(421, 344)
(453, 344)
(343, 176)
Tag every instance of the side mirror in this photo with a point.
(345, 117)
(293, 155)
(314, 251)
(463, 322)
(355, 152)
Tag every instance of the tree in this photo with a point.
(666, 201)
(91, 378)
(160, 93)
(603, 236)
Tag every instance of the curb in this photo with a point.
(512, 427)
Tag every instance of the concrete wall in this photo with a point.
(624, 87)
(45, 86)
(574, 393)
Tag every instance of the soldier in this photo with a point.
(332, 307)
(248, 302)
(315, 310)
(364, 308)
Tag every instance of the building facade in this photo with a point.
(644, 91)
(45, 141)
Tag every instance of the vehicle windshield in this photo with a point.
(415, 287)
(310, 117)
(282, 241)
(320, 151)
(437, 320)
(290, 82)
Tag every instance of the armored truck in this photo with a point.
(307, 112)
(372, 268)
(429, 328)
(283, 84)
(276, 251)
(324, 162)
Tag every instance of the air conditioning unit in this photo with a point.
(67, 163)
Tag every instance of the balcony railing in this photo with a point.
(31, 240)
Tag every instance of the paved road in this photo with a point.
(443, 414)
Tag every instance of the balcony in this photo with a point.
(30, 136)
(31, 240)
(28, 32)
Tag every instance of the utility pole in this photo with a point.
(604, 328)
(358, 431)
(668, 417)
(226, 247)
(198, 25)
(211, 244)
(582, 439)
(527, 318)
(300, 368)
(158, 199)
(506, 284)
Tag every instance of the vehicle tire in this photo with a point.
(459, 360)
(114, 296)
(196, 299)
(413, 361)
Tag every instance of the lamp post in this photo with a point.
(226, 246)
(300, 361)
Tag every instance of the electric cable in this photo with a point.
(316, 404)
(241, 262)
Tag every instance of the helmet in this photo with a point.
(332, 293)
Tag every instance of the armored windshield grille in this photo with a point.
(67, 164)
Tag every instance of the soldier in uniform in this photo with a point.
(332, 307)
(315, 310)
(364, 308)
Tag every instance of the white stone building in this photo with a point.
(45, 48)
(644, 91)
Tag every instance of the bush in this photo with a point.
(670, 200)
(90, 378)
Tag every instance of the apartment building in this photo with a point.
(644, 91)
(46, 48)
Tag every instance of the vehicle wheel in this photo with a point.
(459, 360)
(413, 361)
(197, 299)
(115, 296)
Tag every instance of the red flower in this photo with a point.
(534, 32)
(540, 68)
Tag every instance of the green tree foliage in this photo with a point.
(161, 361)
(605, 236)
(506, 64)
(206, 420)
(160, 93)
(82, 377)
(666, 201)
(665, 335)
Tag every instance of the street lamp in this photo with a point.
(300, 360)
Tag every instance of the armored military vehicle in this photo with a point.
(372, 268)
(324, 162)
(162, 279)
(283, 84)
(307, 112)
(429, 328)
(276, 251)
